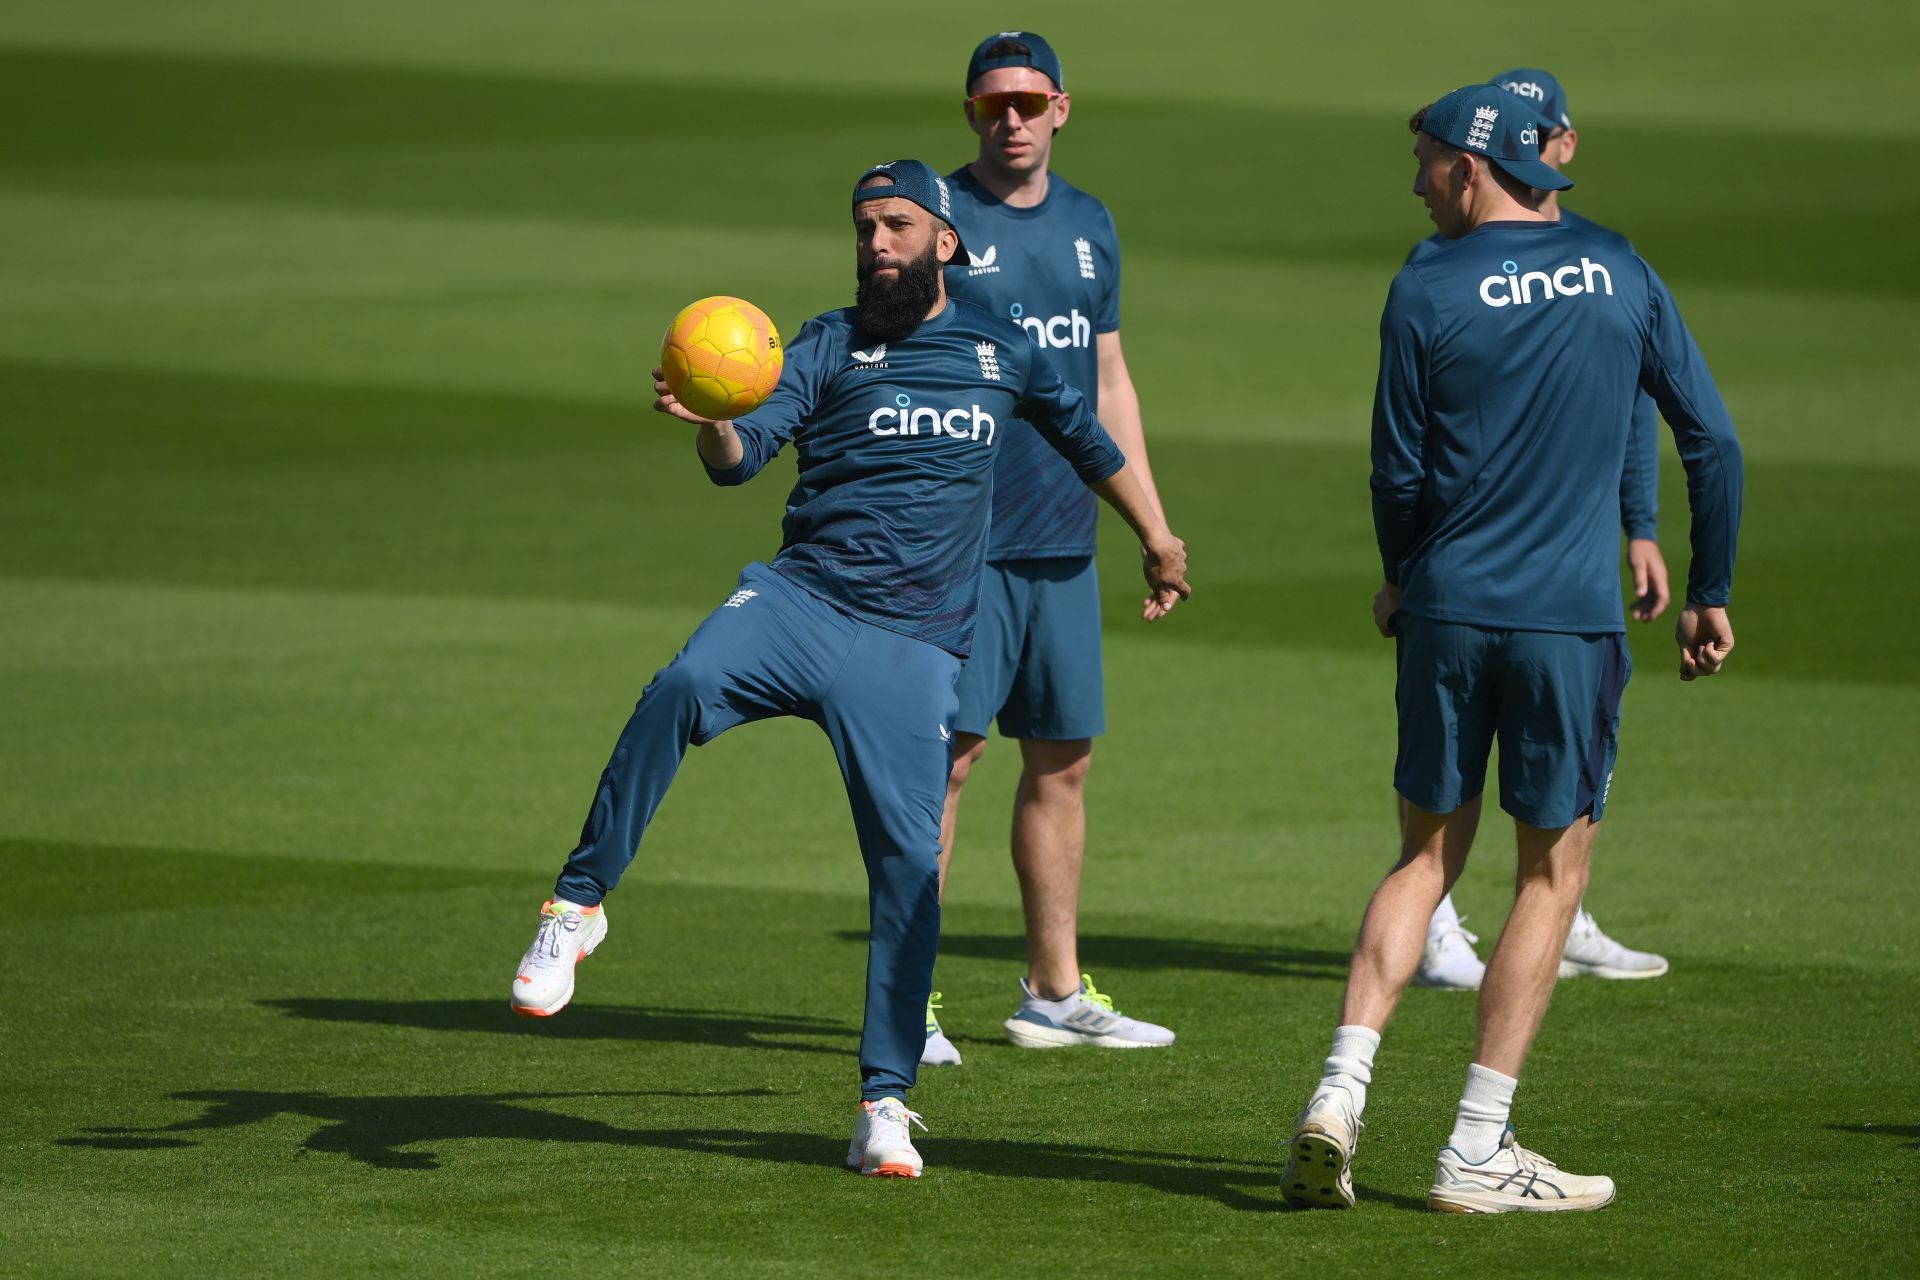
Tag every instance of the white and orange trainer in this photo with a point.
(568, 934)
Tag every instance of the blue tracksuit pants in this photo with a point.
(886, 703)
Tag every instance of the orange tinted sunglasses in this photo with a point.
(987, 107)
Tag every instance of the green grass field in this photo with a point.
(336, 541)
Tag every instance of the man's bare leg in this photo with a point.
(1393, 934)
(1049, 853)
(1481, 1169)
(1448, 960)
(1550, 877)
(967, 750)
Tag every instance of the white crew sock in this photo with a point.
(1444, 914)
(1484, 1109)
(1349, 1064)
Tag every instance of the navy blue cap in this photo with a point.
(915, 181)
(1541, 90)
(1485, 118)
(1040, 56)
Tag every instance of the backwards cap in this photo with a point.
(1040, 56)
(914, 181)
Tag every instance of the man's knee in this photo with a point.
(685, 690)
(1445, 838)
(967, 750)
(1555, 859)
(1057, 768)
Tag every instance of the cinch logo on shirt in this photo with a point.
(1517, 289)
(903, 418)
(1070, 330)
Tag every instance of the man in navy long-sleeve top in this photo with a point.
(860, 622)
(1449, 960)
(1509, 362)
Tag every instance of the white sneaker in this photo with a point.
(568, 935)
(1319, 1172)
(1512, 1180)
(882, 1144)
(1085, 1017)
(1591, 953)
(1449, 961)
(939, 1051)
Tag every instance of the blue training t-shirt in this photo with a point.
(1055, 269)
(896, 441)
(1640, 481)
(1509, 360)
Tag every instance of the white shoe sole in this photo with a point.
(891, 1169)
(596, 933)
(1316, 1172)
(1442, 984)
(888, 1169)
(1458, 1201)
(856, 1160)
(1575, 969)
(1031, 1035)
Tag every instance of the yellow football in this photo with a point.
(721, 357)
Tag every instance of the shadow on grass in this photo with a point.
(399, 1133)
(374, 1130)
(1883, 1131)
(1124, 951)
(1414, 1204)
(581, 1022)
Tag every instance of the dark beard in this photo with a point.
(892, 309)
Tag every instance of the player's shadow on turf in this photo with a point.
(1883, 1131)
(1124, 951)
(583, 1022)
(377, 1130)
(402, 1132)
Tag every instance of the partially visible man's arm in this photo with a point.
(1675, 374)
(735, 451)
(1640, 511)
(1119, 410)
(1163, 557)
(1399, 434)
(1065, 420)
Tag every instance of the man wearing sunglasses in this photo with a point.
(1043, 254)
(1449, 960)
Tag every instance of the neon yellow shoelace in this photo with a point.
(1095, 997)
